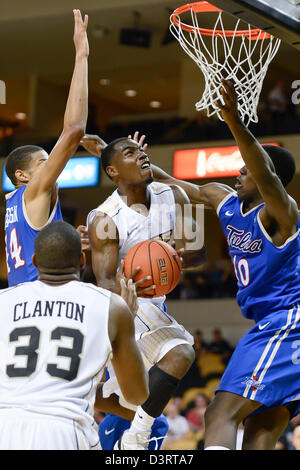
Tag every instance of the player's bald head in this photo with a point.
(57, 246)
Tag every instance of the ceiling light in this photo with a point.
(99, 31)
(155, 104)
(130, 93)
(104, 81)
(20, 116)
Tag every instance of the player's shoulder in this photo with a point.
(12, 290)
(179, 194)
(8, 290)
(228, 196)
(158, 188)
(111, 206)
(14, 193)
(95, 290)
(118, 309)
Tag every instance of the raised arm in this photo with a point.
(75, 117)
(279, 206)
(210, 194)
(127, 361)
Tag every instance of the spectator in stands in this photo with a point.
(296, 438)
(220, 346)
(213, 276)
(195, 416)
(178, 426)
(287, 435)
(188, 290)
(177, 401)
(282, 444)
(200, 346)
(278, 105)
(202, 287)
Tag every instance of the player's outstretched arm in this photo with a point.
(94, 144)
(75, 117)
(188, 234)
(210, 194)
(127, 360)
(278, 204)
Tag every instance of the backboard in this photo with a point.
(281, 18)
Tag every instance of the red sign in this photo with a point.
(212, 162)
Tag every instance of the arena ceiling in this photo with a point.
(36, 39)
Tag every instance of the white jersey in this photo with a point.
(54, 346)
(156, 331)
(133, 227)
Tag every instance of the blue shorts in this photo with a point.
(112, 427)
(265, 365)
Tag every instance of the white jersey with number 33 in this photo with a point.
(54, 345)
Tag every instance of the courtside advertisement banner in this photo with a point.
(210, 162)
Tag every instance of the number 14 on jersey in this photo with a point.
(14, 250)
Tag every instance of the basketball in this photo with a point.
(158, 260)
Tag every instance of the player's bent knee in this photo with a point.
(178, 360)
(184, 354)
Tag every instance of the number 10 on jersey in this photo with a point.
(241, 269)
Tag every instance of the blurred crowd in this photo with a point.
(213, 279)
(186, 409)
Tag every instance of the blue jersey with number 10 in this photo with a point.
(20, 235)
(268, 276)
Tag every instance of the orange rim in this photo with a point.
(205, 7)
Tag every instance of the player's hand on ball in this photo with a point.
(93, 144)
(128, 293)
(180, 252)
(83, 233)
(140, 290)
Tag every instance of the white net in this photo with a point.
(236, 57)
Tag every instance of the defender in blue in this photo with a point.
(20, 235)
(34, 203)
(261, 384)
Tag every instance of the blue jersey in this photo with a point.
(268, 276)
(20, 235)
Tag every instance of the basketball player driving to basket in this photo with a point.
(133, 213)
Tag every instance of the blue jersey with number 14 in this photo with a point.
(20, 235)
(268, 276)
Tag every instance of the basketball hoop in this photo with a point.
(246, 53)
